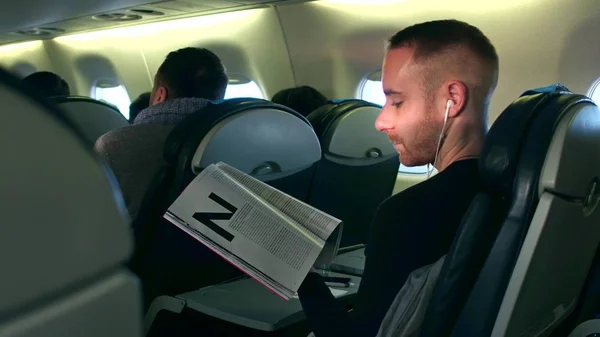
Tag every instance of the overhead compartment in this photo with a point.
(45, 19)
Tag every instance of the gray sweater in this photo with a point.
(135, 153)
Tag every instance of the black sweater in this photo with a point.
(410, 229)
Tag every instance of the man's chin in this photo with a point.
(411, 163)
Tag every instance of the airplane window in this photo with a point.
(594, 93)
(113, 94)
(241, 86)
(414, 169)
(372, 92)
(370, 89)
(249, 89)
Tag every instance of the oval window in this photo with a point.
(414, 169)
(241, 86)
(594, 93)
(370, 89)
(113, 94)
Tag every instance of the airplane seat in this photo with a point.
(94, 118)
(268, 141)
(586, 313)
(64, 236)
(587, 310)
(522, 253)
(359, 165)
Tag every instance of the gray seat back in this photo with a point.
(94, 118)
(268, 142)
(359, 165)
(64, 236)
(564, 233)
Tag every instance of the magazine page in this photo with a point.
(231, 217)
(318, 222)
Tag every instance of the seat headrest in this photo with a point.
(346, 130)
(322, 118)
(59, 100)
(262, 120)
(350, 100)
(63, 217)
(503, 143)
(92, 117)
(202, 121)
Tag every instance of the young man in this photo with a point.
(438, 78)
(184, 83)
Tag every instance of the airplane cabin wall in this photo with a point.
(249, 42)
(25, 58)
(331, 45)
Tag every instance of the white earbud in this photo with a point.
(449, 104)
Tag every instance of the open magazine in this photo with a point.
(267, 234)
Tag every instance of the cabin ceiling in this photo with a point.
(26, 20)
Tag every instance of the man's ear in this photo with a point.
(457, 92)
(159, 96)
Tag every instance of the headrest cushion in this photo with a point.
(202, 121)
(94, 118)
(70, 99)
(322, 118)
(503, 143)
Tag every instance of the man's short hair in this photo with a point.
(47, 84)
(445, 37)
(193, 72)
(139, 104)
(303, 99)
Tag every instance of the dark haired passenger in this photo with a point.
(47, 84)
(303, 99)
(184, 83)
(431, 71)
(139, 104)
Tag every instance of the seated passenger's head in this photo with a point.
(302, 99)
(429, 68)
(189, 72)
(47, 84)
(139, 104)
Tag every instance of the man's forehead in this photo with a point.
(400, 53)
(398, 57)
(397, 64)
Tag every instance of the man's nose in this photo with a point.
(385, 120)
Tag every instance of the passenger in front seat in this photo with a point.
(138, 104)
(303, 99)
(185, 82)
(438, 78)
(47, 84)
